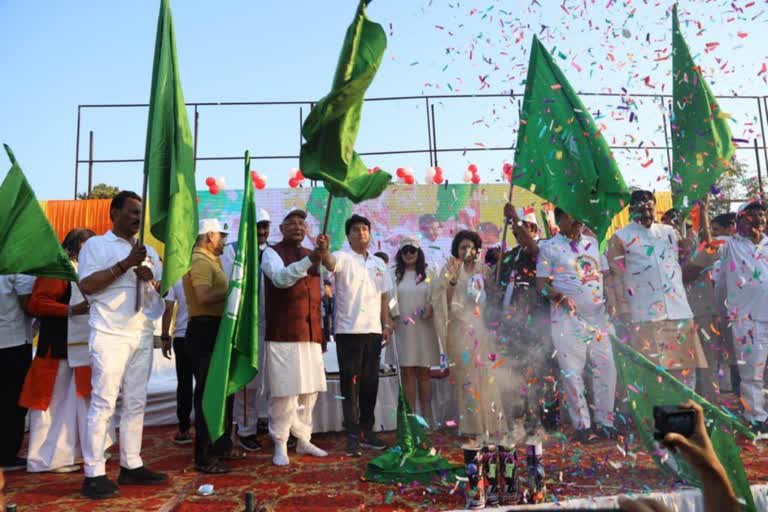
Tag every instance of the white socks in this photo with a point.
(280, 458)
(307, 448)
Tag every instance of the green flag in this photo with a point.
(412, 457)
(561, 155)
(648, 385)
(168, 158)
(701, 139)
(451, 199)
(331, 129)
(235, 360)
(28, 244)
(341, 209)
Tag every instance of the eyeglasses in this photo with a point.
(409, 249)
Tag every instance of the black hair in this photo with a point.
(639, 196)
(384, 256)
(355, 219)
(465, 234)
(492, 256)
(725, 219)
(119, 200)
(670, 214)
(74, 239)
(421, 265)
(558, 213)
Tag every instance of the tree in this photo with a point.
(100, 191)
(734, 184)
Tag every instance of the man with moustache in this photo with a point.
(362, 326)
(569, 273)
(121, 343)
(294, 336)
(205, 288)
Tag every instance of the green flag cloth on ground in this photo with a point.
(341, 210)
(331, 129)
(701, 139)
(28, 244)
(648, 385)
(561, 155)
(169, 158)
(412, 458)
(235, 360)
(451, 199)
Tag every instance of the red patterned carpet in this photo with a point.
(334, 483)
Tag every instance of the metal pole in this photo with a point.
(90, 163)
(429, 132)
(666, 147)
(77, 150)
(141, 233)
(194, 146)
(759, 171)
(434, 135)
(762, 111)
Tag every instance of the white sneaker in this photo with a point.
(307, 448)
(280, 458)
(66, 469)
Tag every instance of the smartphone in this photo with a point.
(672, 418)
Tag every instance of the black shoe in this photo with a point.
(371, 440)
(15, 464)
(182, 437)
(140, 476)
(583, 436)
(249, 443)
(99, 488)
(353, 446)
(606, 432)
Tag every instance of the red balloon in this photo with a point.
(400, 172)
(475, 179)
(438, 179)
(210, 181)
(260, 184)
(508, 168)
(293, 183)
(213, 189)
(409, 179)
(299, 175)
(472, 168)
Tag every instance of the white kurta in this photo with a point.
(293, 368)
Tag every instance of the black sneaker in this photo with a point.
(353, 446)
(182, 437)
(99, 488)
(15, 465)
(606, 432)
(371, 440)
(583, 436)
(249, 443)
(140, 476)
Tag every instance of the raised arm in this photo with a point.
(281, 275)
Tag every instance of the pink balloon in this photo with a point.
(299, 175)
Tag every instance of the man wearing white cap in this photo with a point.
(205, 288)
(251, 401)
(120, 343)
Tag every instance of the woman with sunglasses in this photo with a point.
(415, 336)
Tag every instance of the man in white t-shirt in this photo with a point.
(182, 358)
(15, 359)
(120, 344)
(362, 327)
(569, 272)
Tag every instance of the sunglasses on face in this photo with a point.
(409, 249)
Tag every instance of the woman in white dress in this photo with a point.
(415, 337)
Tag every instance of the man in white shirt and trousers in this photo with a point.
(120, 342)
(649, 294)
(15, 360)
(294, 336)
(251, 401)
(362, 327)
(569, 273)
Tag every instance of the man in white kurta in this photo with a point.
(569, 272)
(251, 400)
(120, 343)
(294, 336)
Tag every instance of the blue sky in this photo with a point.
(56, 55)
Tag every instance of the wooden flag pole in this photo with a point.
(141, 233)
(327, 213)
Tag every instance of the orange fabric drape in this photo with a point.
(70, 214)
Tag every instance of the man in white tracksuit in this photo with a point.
(120, 344)
(251, 401)
(569, 273)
